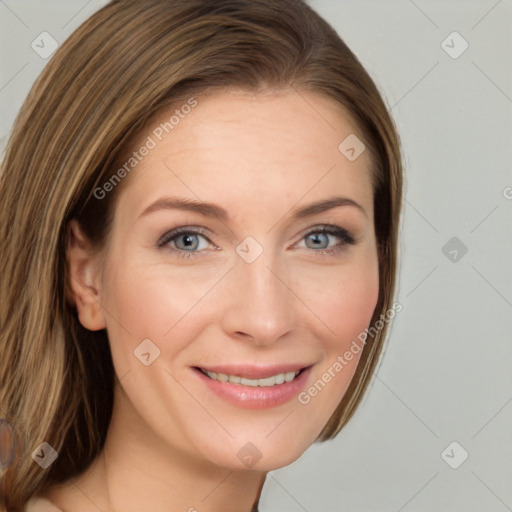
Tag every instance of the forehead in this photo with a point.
(249, 149)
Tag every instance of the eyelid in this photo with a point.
(196, 230)
(347, 239)
(331, 229)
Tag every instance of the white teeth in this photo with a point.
(269, 381)
(249, 382)
(288, 377)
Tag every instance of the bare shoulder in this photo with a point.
(41, 505)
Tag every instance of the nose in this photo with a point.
(261, 308)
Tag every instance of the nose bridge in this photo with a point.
(262, 306)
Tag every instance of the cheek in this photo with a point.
(143, 300)
(341, 297)
(148, 300)
(345, 304)
(350, 302)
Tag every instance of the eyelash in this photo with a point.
(345, 237)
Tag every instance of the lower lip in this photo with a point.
(256, 397)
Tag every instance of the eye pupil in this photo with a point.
(190, 241)
(319, 238)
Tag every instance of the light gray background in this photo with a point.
(446, 374)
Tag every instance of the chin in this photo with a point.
(260, 455)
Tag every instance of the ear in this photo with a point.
(84, 278)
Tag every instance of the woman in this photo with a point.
(201, 204)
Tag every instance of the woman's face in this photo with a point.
(217, 262)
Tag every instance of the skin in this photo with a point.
(172, 444)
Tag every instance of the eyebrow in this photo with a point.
(213, 210)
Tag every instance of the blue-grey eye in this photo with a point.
(185, 241)
(319, 240)
(190, 241)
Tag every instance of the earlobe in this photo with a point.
(84, 278)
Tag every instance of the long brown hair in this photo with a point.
(125, 64)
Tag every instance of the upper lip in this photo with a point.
(251, 371)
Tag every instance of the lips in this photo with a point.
(258, 387)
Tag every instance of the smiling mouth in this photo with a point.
(273, 380)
